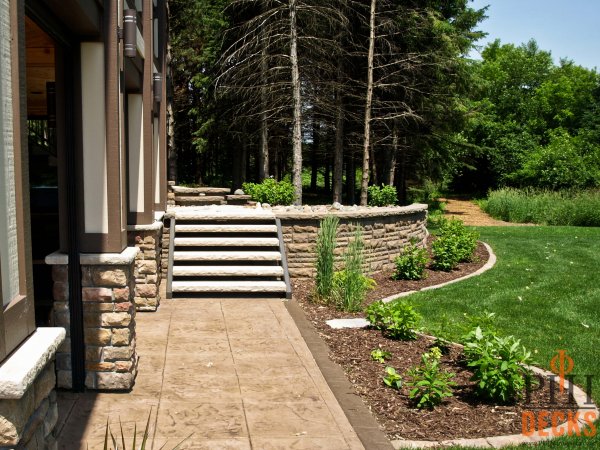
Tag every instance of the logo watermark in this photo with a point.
(560, 419)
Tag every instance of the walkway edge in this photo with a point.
(357, 413)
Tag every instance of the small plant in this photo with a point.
(382, 196)
(109, 438)
(351, 284)
(380, 355)
(411, 263)
(428, 382)
(397, 320)
(392, 379)
(271, 191)
(498, 365)
(325, 257)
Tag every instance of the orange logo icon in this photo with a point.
(562, 364)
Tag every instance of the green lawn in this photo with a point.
(544, 289)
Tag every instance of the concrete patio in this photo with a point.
(235, 373)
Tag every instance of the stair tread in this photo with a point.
(228, 286)
(226, 241)
(227, 271)
(226, 228)
(226, 256)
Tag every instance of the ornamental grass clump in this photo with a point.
(325, 257)
(351, 285)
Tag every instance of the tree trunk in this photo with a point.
(297, 119)
(369, 100)
(338, 158)
(350, 180)
(393, 153)
(327, 175)
(314, 155)
(263, 171)
(374, 174)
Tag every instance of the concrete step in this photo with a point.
(228, 286)
(223, 214)
(226, 256)
(227, 271)
(201, 200)
(226, 228)
(226, 242)
(201, 190)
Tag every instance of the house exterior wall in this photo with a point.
(28, 411)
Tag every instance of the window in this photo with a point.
(17, 320)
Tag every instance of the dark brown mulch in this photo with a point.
(461, 416)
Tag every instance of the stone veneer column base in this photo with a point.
(28, 409)
(108, 287)
(147, 273)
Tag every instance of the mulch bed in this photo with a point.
(460, 416)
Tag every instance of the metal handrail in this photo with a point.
(171, 257)
(286, 273)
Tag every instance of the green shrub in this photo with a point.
(396, 320)
(350, 285)
(429, 384)
(445, 254)
(382, 196)
(497, 364)
(271, 191)
(455, 244)
(411, 263)
(325, 258)
(466, 240)
(571, 208)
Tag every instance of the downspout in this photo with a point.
(74, 267)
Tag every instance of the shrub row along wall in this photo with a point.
(385, 232)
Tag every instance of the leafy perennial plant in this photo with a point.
(428, 382)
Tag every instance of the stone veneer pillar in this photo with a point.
(147, 272)
(28, 409)
(108, 287)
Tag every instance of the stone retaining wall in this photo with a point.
(109, 320)
(385, 232)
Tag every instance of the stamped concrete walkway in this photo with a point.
(235, 373)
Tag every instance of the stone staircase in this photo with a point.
(186, 196)
(226, 251)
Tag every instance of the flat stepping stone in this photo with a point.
(338, 324)
(226, 256)
(229, 286)
(226, 242)
(201, 200)
(228, 271)
(226, 228)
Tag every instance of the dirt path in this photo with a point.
(471, 214)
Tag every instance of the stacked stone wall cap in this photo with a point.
(20, 370)
(124, 258)
(346, 212)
